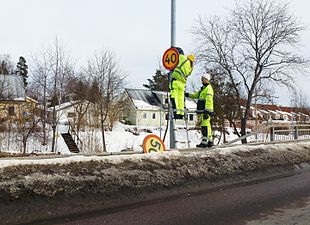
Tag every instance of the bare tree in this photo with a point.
(6, 64)
(79, 90)
(116, 109)
(41, 73)
(61, 68)
(105, 72)
(300, 104)
(299, 100)
(226, 106)
(26, 127)
(52, 66)
(255, 48)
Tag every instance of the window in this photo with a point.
(11, 111)
(71, 114)
(191, 117)
(154, 116)
(166, 100)
(144, 116)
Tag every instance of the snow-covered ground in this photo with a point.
(124, 138)
(79, 181)
(121, 138)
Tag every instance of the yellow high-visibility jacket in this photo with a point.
(205, 98)
(178, 83)
(183, 70)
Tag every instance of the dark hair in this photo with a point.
(180, 50)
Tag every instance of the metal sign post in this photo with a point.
(173, 29)
(170, 60)
(173, 22)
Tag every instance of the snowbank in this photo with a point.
(54, 187)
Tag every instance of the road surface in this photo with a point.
(271, 202)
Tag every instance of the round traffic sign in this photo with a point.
(153, 143)
(170, 58)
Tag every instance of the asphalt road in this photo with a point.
(235, 205)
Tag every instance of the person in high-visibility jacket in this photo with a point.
(204, 110)
(178, 82)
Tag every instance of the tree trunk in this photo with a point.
(54, 137)
(44, 112)
(243, 129)
(24, 145)
(246, 115)
(223, 129)
(103, 136)
(54, 129)
(102, 128)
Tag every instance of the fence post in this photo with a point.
(272, 134)
(295, 132)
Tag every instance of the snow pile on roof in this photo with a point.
(144, 105)
(13, 87)
(63, 105)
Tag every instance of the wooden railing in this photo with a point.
(75, 136)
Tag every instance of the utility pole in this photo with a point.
(173, 22)
(173, 31)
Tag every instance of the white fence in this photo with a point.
(277, 133)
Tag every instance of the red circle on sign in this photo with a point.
(152, 143)
(170, 58)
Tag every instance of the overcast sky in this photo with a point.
(137, 31)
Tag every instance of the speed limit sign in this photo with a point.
(153, 143)
(170, 58)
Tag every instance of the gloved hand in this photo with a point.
(206, 112)
(206, 116)
(186, 94)
(211, 114)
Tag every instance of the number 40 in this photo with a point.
(171, 58)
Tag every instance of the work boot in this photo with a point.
(202, 145)
(210, 144)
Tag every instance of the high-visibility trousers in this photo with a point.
(177, 89)
(205, 127)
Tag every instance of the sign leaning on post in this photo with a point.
(153, 143)
(170, 58)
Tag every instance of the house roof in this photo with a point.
(284, 113)
(262, 111)
(12, 88)
(151, 100)
(302, 114)
(277, 109)
(145, 99)
(65, 105)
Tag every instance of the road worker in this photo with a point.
(178, 82)
(204, 110)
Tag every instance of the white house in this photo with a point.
(69, 112)
(150, 108)
(279, 114)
